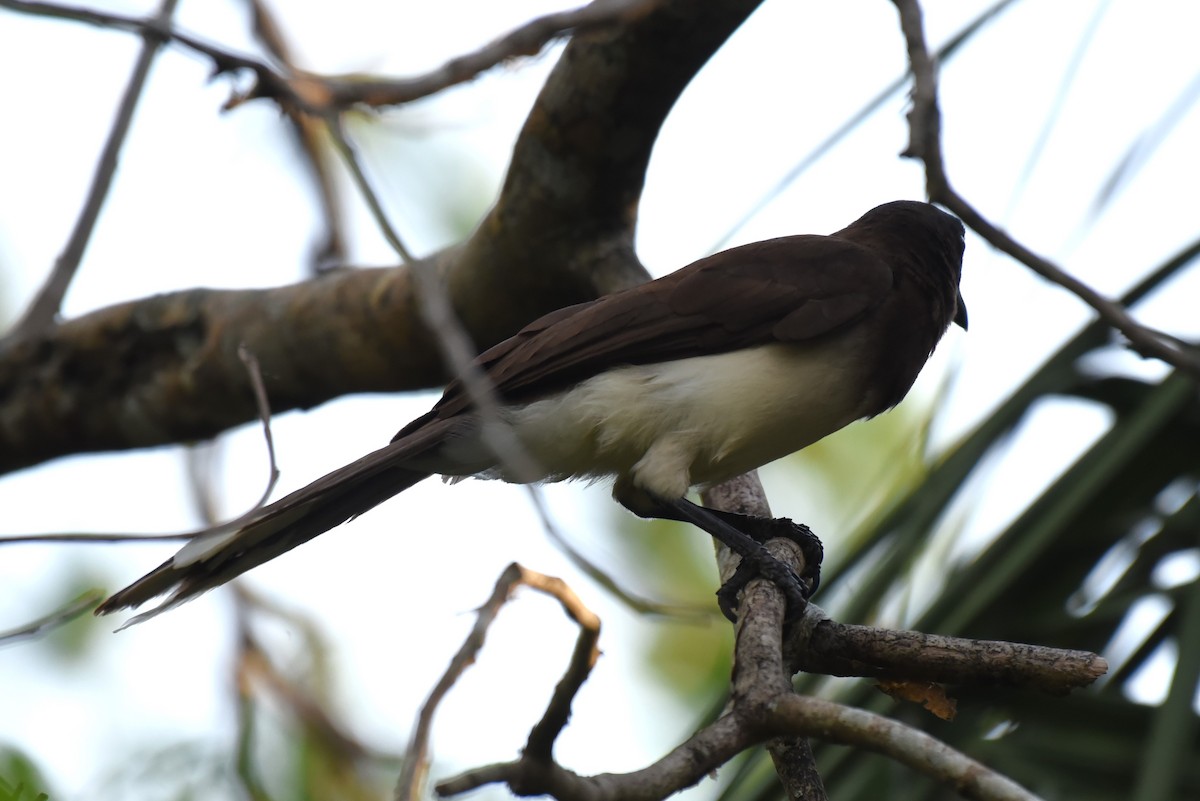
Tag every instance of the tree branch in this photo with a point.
(792, 755)
(541, 739)
(840, 649)
(321, 95)
(925, 143)
(44, 309)
(762, 708)
(560, 233)
(908, 746)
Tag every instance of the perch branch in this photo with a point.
(792, 755)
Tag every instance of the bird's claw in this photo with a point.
(797, 588)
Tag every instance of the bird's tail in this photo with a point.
(217, 556)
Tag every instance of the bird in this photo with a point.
(676, 384)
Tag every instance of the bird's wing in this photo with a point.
(781, 290)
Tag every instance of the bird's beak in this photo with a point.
(960, 316)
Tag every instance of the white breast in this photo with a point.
(670, 426)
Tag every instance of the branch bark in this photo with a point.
(560, 233)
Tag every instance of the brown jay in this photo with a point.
(683, 382)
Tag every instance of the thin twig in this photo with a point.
(97, 536)
(56, 619)
(925, 144)
(527, 40)
(583, 659)
(263, 405)
(458, 353)
(43, 311)
(846, 128)
(457, 350)
(268, 81)
(374, 205)
(318, 95)
(416, 762)
(330, 252)
(636, 603)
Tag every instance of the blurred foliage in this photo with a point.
(291, 742)
(73, 642)
(20, 779)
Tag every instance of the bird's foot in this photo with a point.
(759, 563)
(744, 535)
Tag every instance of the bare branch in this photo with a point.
(762, 708)
(925, 144)
(455, 346)
(792, 755)
(527, 40)
(264, 417)
(908, 746)
(634, 602)
(43, 311)
(683, 767)
(319, 95)
(583, 659)
(56, 619)
(331, 251)
(542, 737)
(840, 649)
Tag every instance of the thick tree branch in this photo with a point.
(560, 233)
(180, 378)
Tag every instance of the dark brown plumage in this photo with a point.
(847, 321)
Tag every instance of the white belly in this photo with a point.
(671, 426)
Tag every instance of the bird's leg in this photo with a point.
(745, 535)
